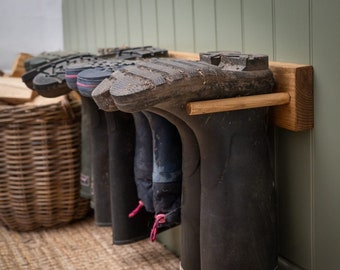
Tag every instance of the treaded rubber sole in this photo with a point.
(52, 69)
(101, 95)
(144, 81)
(148, 83)
(50, 86)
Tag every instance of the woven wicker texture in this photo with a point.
(40, 164)
(80, 245)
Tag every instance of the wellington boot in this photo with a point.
(143, 163)
(191, 193)
(237, 210)
(123, 189)
(167, 173)
(99, 162)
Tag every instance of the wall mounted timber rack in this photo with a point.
(291, 103)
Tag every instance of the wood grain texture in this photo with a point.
(237, 103)
(297, 80)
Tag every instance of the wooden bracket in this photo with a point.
(297, 81)
(292, 100)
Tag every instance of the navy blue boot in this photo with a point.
(167, 173)
(143, 164)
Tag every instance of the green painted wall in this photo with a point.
(300, 31)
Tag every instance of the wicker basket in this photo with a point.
(40, 164)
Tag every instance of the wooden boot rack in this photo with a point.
(292, 105)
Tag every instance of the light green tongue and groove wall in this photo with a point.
(300, 31)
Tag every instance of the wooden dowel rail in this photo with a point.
(237, 103)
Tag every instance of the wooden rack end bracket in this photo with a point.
(292, 100)
(297, 81)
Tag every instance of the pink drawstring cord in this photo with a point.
(86, 85)
(137, 209)
(160, 218)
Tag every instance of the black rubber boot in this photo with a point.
(122, 161)
(167, 173)
(86, 182)
(99, 148)
(85, 76)
(191, 188)
(99, 160)
(237, 229)
(123, 189)
(109, 60)
(71, 76)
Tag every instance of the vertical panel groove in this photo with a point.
(166, 25)
(243, 37)
(312, 152)
(85, 29)
(274, 30)
(174, 24)
(141, 21)
(228, 20)
(82, 11)
(77, 27)
(193, 24)
(104, 24)
(115, 23)
(128, 24)
(74, 35)
(215, 17)
(157, 25)
(135, 23)
(310, 6)
(65, 15)
(184, 25)
(312, 214)
(94, 26)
